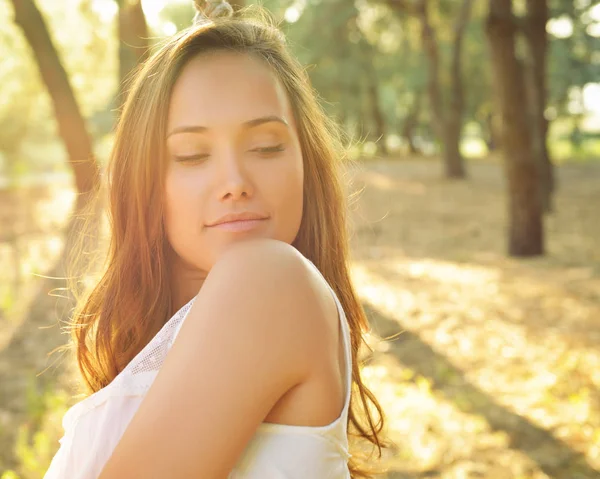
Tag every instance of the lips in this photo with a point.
(238, 217)
(240, 226)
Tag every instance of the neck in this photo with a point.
(186, 282)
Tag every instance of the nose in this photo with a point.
(234, 180)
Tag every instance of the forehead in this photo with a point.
(225, 89)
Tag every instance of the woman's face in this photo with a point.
(232, 149)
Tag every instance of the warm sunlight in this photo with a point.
(468, 325)
(106, 9)
(473, 242)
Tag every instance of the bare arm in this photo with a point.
(248, 339)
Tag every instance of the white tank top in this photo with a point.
(94, 426)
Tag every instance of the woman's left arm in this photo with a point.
(250, 337)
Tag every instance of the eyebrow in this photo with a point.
(246, 125)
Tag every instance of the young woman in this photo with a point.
(228, 217)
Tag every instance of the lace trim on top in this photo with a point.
(137, 377)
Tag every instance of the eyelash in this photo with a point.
(268, 151)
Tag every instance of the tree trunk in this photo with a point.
(133, 41)
(433, 65)
(491, 129)
(32, 341)
(378, 117)
(376, 113)
(448, 126)
(535, 30)
(454, 120)
(525, 212)
(71, 125)
(410, 123)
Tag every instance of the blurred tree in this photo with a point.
(17, 107)
(526, 236)
(535, 33)
(346, 63)
(573, 61)
(134, 47)
(134, 44)
(33, 331)
(447, 120)
(83, 40)
(332, 57)
(133, 40)
(411, 121)
(372, 85)
(408, 72)
(70, 122)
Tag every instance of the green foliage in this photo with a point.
(23, 102)
(87, 47)
(345, 45)
(37, 439)
(573, 59)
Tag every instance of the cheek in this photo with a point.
(183, 210)
(176, 196)
(287, 193)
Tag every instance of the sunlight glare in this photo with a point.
(594, 13)
(169, 28)
(448, 272)
(593, 30)
(591, 95)
(152, 9)
(105, 9)
(561, 27)
(294, 12)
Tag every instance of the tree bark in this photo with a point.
(537, 40)
(525, 212)
(71, 125)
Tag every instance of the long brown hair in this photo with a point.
(131, 301)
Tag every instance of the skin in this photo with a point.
(264, 326)
(226, 172)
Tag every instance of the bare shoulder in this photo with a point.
(262, 255)
(270, 285)
(267, 263)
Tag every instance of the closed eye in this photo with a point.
(191, 158)
(267, 151)
(270, 149)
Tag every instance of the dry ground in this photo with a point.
(496, 373)
(496, 370)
